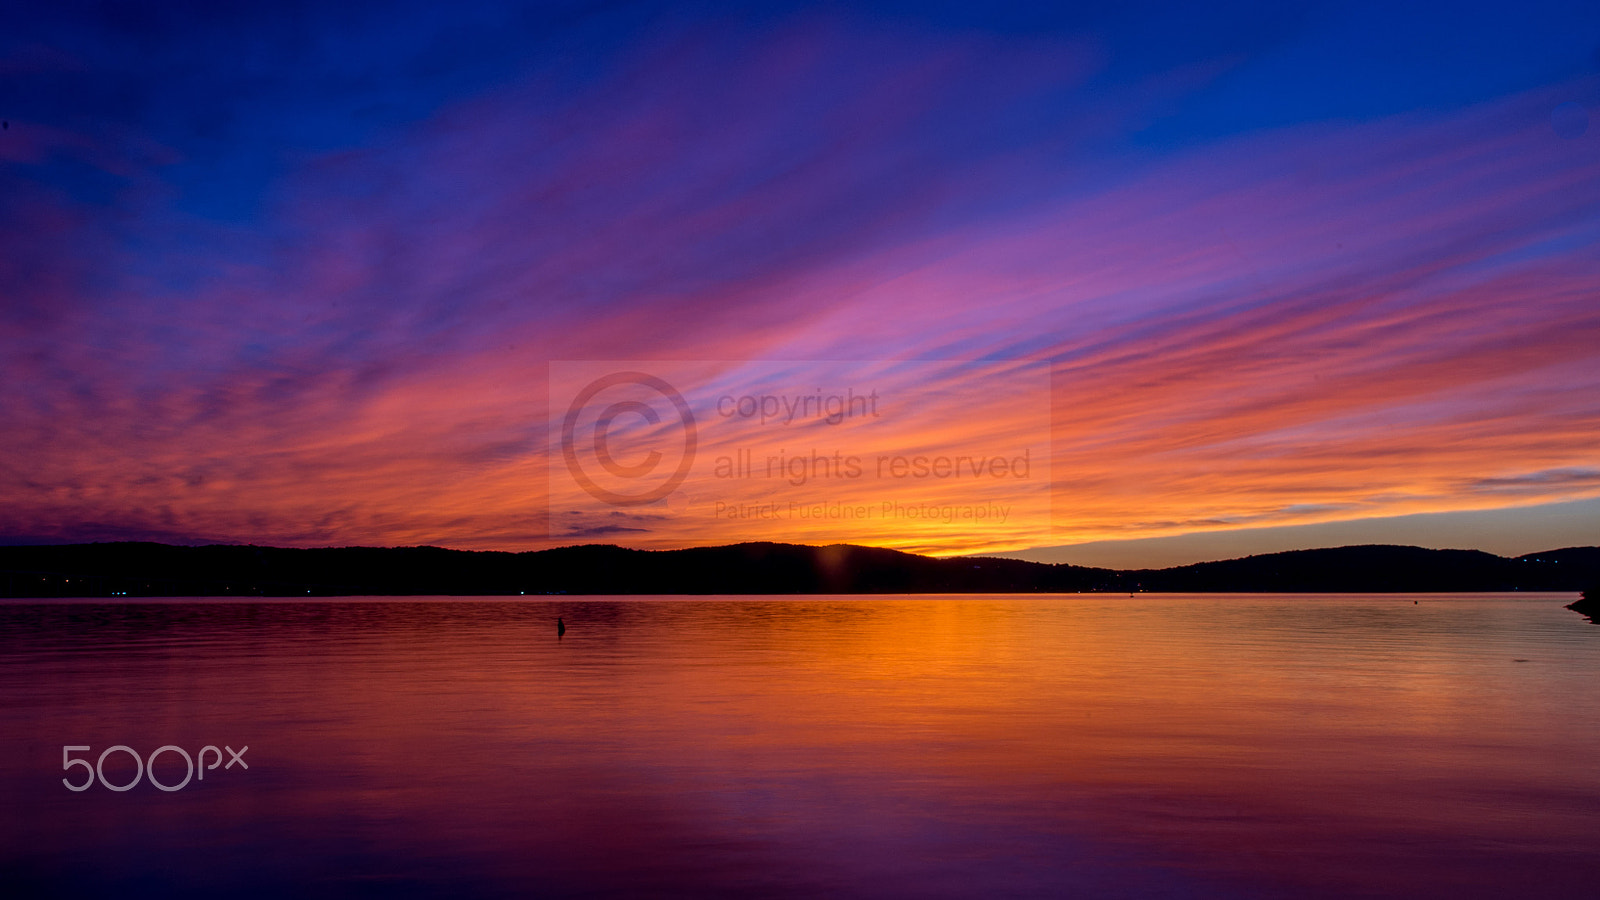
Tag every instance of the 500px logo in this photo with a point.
(146, 768)
(618, 438)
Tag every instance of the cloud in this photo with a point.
(1319, 322)
(598, 530)
(1539, 482)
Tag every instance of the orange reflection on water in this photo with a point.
(1199, 745)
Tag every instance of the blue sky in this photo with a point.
(252, 242)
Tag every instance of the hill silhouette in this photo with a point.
(150, 569)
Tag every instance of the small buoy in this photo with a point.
(561, 627)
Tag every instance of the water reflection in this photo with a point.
(923, 746)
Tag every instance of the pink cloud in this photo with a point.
(1321, 323)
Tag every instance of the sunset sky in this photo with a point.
(1253, 277)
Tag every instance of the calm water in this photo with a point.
(1089, 745)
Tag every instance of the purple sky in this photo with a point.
(294, 275)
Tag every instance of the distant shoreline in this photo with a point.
(1550, 596)
(1588, 604)
(161, 570)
